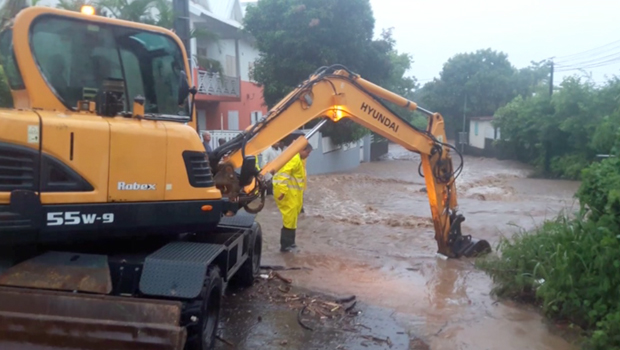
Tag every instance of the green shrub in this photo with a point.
(6, 100)
(568, 166)
(599, 193)
(571, 266)
(419, 121)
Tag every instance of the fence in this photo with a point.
(221, 134)
(220, 85)
(326, 157)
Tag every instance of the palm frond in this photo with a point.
(9, 9)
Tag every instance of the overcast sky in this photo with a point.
(433, 31)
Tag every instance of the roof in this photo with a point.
(482, 119)
(225, 11)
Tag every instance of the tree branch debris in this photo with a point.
(310, 309)
(314, 310)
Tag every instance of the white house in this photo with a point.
(481, 128)
(234, 102)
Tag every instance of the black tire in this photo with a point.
(202, 335)
(251, 267)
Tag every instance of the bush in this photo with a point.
(568, 166)
(6, 100)
(599, 192)
(570, 266)
(561, 134)
(419, 121)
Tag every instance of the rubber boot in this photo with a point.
(287, 239)
(293, 239)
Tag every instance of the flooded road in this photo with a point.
(369, 233)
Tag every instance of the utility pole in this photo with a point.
(551, 80)
(463, 134)
(182, 25)
(546, 142)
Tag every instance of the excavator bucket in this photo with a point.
(471, 247)
(465, 245)
(39, 319)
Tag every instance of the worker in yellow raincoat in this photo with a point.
(288, 190)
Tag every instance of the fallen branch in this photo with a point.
(350, 307)
(299, 314)
(224, 341)
(345, 299)
(378, 340)
(282, 268)
(441, 329)
(361, 325)
(283, 279)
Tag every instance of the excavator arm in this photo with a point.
(334, 93)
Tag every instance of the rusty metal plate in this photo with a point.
(57, 320)
(61, 271)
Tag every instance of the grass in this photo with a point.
(570, 267)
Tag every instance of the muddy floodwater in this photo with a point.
(368, 233)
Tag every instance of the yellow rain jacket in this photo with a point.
(290, 181)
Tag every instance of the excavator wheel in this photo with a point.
(251, 267)
(201, 334)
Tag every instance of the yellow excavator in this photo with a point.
(117, 229)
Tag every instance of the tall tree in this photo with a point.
(295, 37)
(478, 84)
(561, 134)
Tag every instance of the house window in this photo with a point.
(476, 128)
(231, 66)
(255, 117)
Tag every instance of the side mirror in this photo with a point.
(248, 171)
(183, 87)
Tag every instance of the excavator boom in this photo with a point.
(334, 93)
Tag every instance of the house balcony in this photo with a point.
(216, 87)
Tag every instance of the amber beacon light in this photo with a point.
(87, 10)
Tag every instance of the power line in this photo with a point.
(610, 61)
(591, 52)
(589, 62)
(601, 56)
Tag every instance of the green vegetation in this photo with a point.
(295, 37)
(477, 84)
(570, 266)
(562, 134)
(558, 134)
(6, 100)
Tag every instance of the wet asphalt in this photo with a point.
(253, 319)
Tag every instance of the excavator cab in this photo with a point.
(107, 200)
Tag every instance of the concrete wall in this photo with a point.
(252, 102)
(248, 54)
(378, 149)
(224, 51)
(326, 158)
(479, 130)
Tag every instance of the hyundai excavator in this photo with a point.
(117, 229)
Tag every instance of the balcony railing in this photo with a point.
(218, 85)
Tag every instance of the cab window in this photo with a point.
(77, 58)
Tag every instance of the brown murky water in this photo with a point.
(369, 233)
